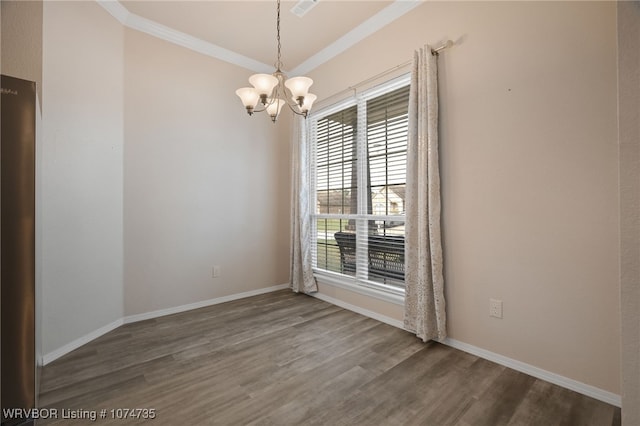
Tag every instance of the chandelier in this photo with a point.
(273, 91)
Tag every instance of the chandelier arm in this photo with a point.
(288, 97)
(282, 92)
(295, 111)
(264, 108)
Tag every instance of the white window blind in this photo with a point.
(358, 179)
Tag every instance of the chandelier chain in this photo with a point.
(279, 62)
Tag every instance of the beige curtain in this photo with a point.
(424, 299)
(301, 276)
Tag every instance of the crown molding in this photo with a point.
(359, 33)
(115, 9)
(163, 32)
(370, 26)
(136, 22)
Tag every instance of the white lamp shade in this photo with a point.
(274, 106)
(308, 102)
(263, 83)
(299, 86)
(248, 96)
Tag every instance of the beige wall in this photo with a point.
(204, 184)
(21, 43)
(81, 171)
(629, 133)
(529, 174)
(198, 183)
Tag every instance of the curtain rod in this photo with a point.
(447, 44)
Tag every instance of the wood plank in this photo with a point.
(283, 358)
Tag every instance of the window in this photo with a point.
(358, 168)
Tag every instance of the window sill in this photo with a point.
(391, 295)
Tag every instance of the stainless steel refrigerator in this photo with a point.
(17, 232)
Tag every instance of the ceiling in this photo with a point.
(248, 27)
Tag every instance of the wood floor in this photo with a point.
(288, 359)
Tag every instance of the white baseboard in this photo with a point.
(539, 373)
(53, 355)
(201, 304)
(357, 309)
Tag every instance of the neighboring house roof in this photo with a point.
(394, 191)
(336, 198)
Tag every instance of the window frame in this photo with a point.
(358, 283)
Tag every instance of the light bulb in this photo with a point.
(308, 102)
(264, 84)
(299, 87)
(273, 108)
(249, 98)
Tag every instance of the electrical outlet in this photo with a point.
(215, 273)
(495, 308)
